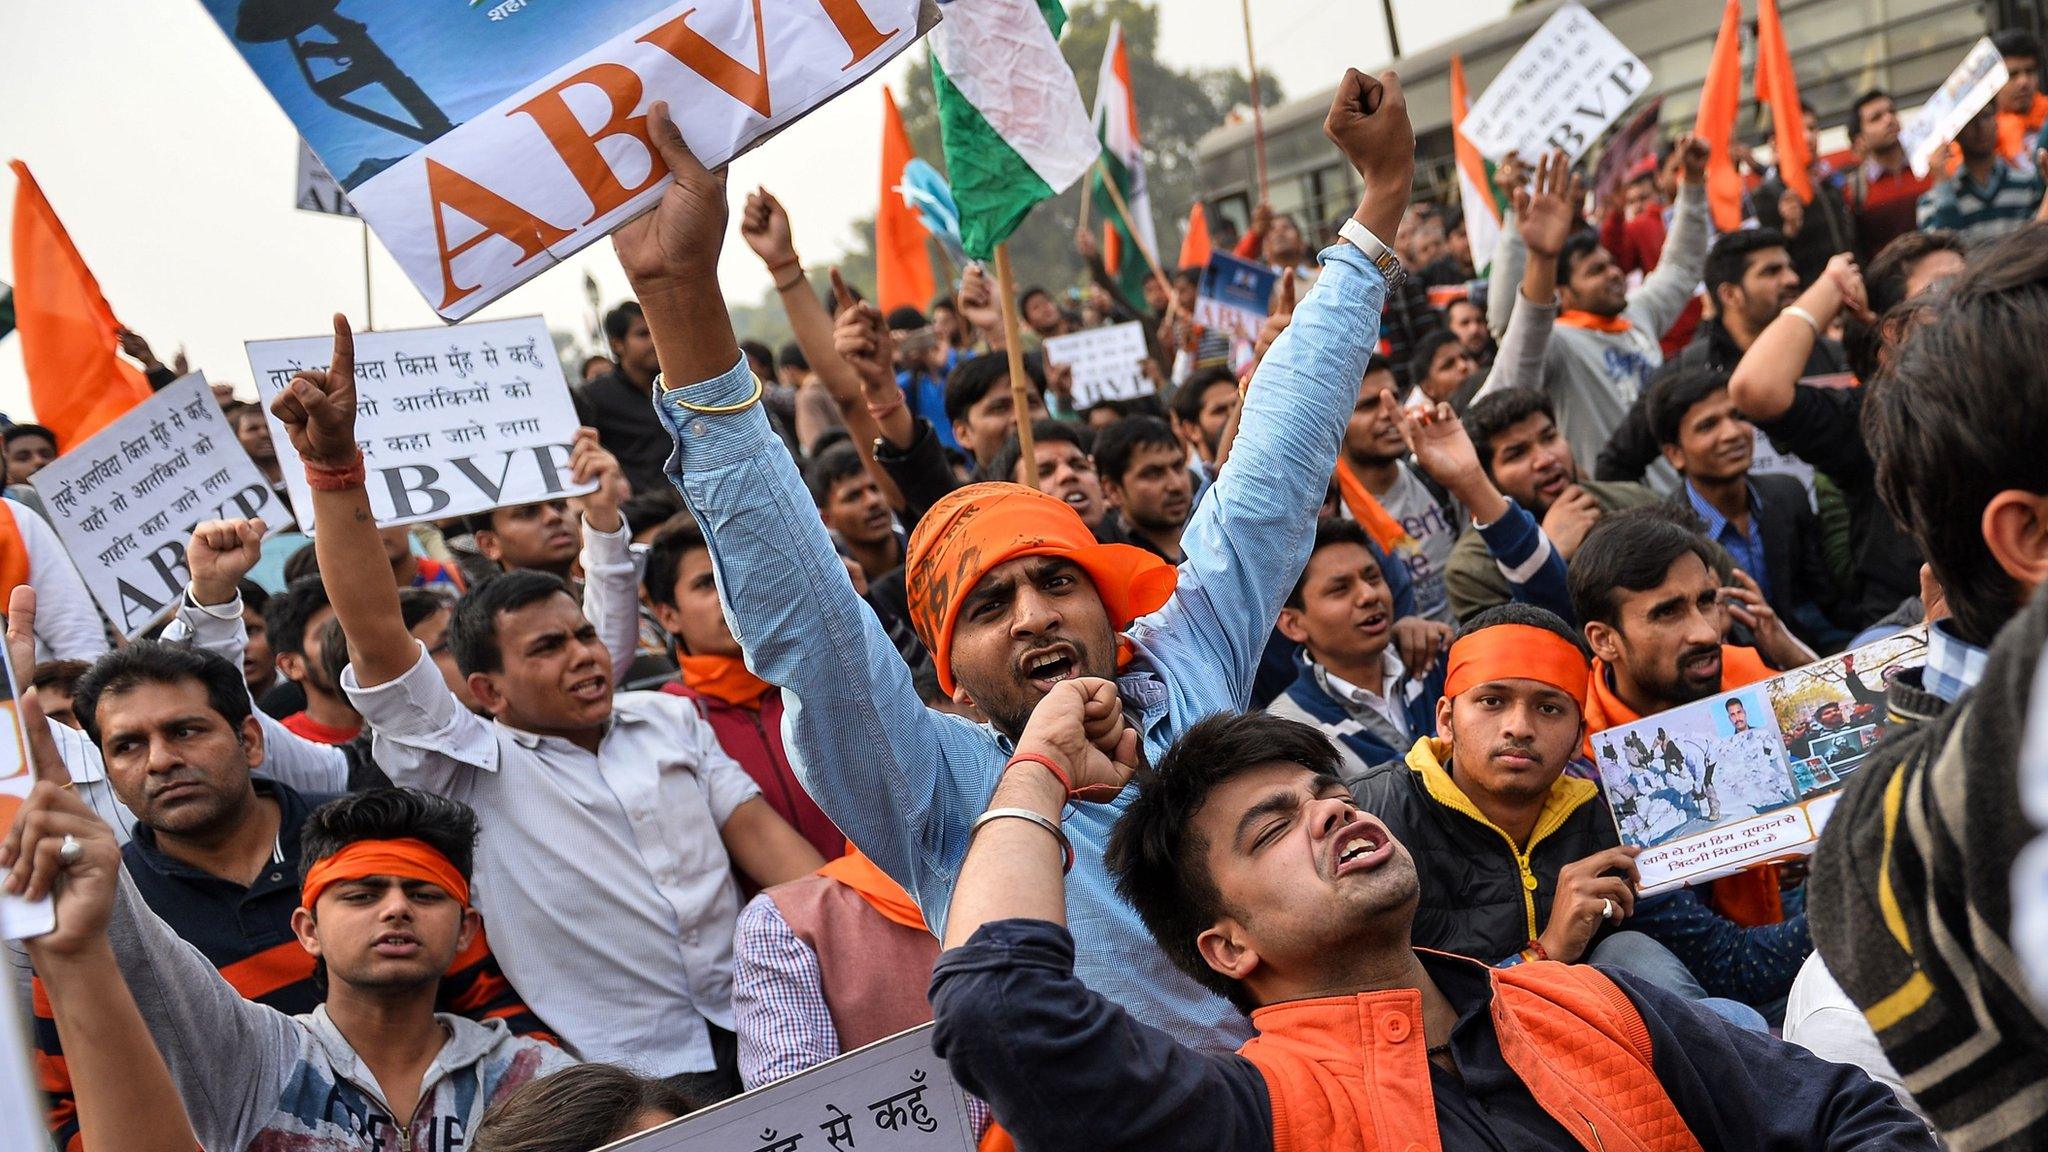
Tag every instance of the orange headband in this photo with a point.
(973, 530)
(1517, 652)
(408, 859)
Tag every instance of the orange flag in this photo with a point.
(77, 380)
(903, 271)
(1778, 87)
(1719, 97)
(1194, 246)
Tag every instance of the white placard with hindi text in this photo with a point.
(450, 420)
(1108, 363)
(317, 191)
(1967, 90)
(892, 1096)
(125, 501)
(1564, 88)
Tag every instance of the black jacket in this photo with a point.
(1797, 574)
(623, 414)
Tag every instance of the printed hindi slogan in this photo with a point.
(450, 420)
(892, 1096)
(125, 501)
(1108, 363)
(1565, 86)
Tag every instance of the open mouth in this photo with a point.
(1076, 499)
(396, 945)
(1364, 845)
(1702, 665)
(1048, 667)
(1375, 624)
(591, 688)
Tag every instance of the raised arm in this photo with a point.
(1663, 294)
(611, 584)
(1543, 220)
(1767, 377)
(1509, 254)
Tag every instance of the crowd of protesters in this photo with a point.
(1212, 768)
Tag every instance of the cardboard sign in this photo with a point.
(1564, 88)
(1973, 84)
(450, 420)
(1235, 296)
(1712, 787)
(1107, 363)
(317, 191)
(486, 142)
(125, 501)
(891, 1096)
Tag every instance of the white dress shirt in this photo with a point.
(607, 889)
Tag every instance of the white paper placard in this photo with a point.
(892, 1096)
(317, 191)
(450, 420)
(1564, 88)
(125, 501)
(1107, 363)
(1964, 94)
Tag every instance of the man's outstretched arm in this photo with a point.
(862, 741)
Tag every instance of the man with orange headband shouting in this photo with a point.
(385, 908)
(1006, 586)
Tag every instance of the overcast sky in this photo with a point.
(174, 171)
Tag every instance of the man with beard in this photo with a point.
(1064, 470)
(855, 510)
(1145, 478)
(293, 620)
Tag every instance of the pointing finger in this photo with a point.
(842, 296)
(341, 367)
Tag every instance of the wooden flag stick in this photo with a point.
(1020, 385)
(1258, 114)
(1124, 210)
(1086, 196)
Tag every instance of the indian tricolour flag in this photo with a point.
(1483, 210)
(1010, 116)
(1123, 161)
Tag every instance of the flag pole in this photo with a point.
(1116, 197)
(369, 307)
(1086, 196)
(1258, 113)
(1013, 343)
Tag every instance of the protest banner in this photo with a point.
(1715, 786)
(486, 142)
(125, 501)
(450, 420)
(1973, 84)
(891, 1096)
(1108, 363)
(1235, 296)
(317, 191)
(1564, 88)
(19, 918)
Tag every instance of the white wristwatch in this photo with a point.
(1375, 250)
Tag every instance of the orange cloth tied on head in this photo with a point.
(1517, 652)
(982, 526)
(407, 859)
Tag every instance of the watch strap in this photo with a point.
(1375, 250)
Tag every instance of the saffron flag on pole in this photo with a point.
(1483, 209)
(77, 381)
(1777, 86)
(1194, 244)
(1123, 161)
(903, 269)
(1011, 120)
(1720, 96)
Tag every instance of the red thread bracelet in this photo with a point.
(1058, 772)
(321, 478)
(877, 411)
(1536, 947)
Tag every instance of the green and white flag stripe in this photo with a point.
(1010, 115)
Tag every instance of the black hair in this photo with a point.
(415, 605)
(1577, 246)
(1377, 363)
(583, 372)
(973, 377)
(59, 674)
(904, 318)
(285, 617)
(619, 320)
(791, 355)
(1043, 431)
(155, 662)
(1628, 551)
(1191, 274)
(334, 646)
(1160, 863)
(253, 595)
(1528, 615)
(647, 509)
(665, 553)
(2015, 43)
(1495, 414)
(1330, 532)
(1885, 282)
(1673, 394)
(1956, 418)
(304, 562)
(20, 431)
(447, 826)
(755, 350)
(1024, 297)
(1854, 120)
(830, 468)
(1118, 443)
(1425, 351)
(1728, 259)
(473, 633)
(827, 440)
(1187, 399)
(1131, 406)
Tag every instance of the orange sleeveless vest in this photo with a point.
(1351, 1073)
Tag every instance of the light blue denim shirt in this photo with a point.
(905, 782)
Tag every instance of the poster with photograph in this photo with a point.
(1749, 775)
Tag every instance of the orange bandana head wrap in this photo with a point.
(408, 859)
(982, 526)
(1517, 652)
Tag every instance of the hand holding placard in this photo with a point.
(681, 236)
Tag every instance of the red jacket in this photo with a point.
(754, 739)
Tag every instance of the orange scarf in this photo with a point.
(1370, 513)
(1592, 321)
(724, 678)
(884, 895)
